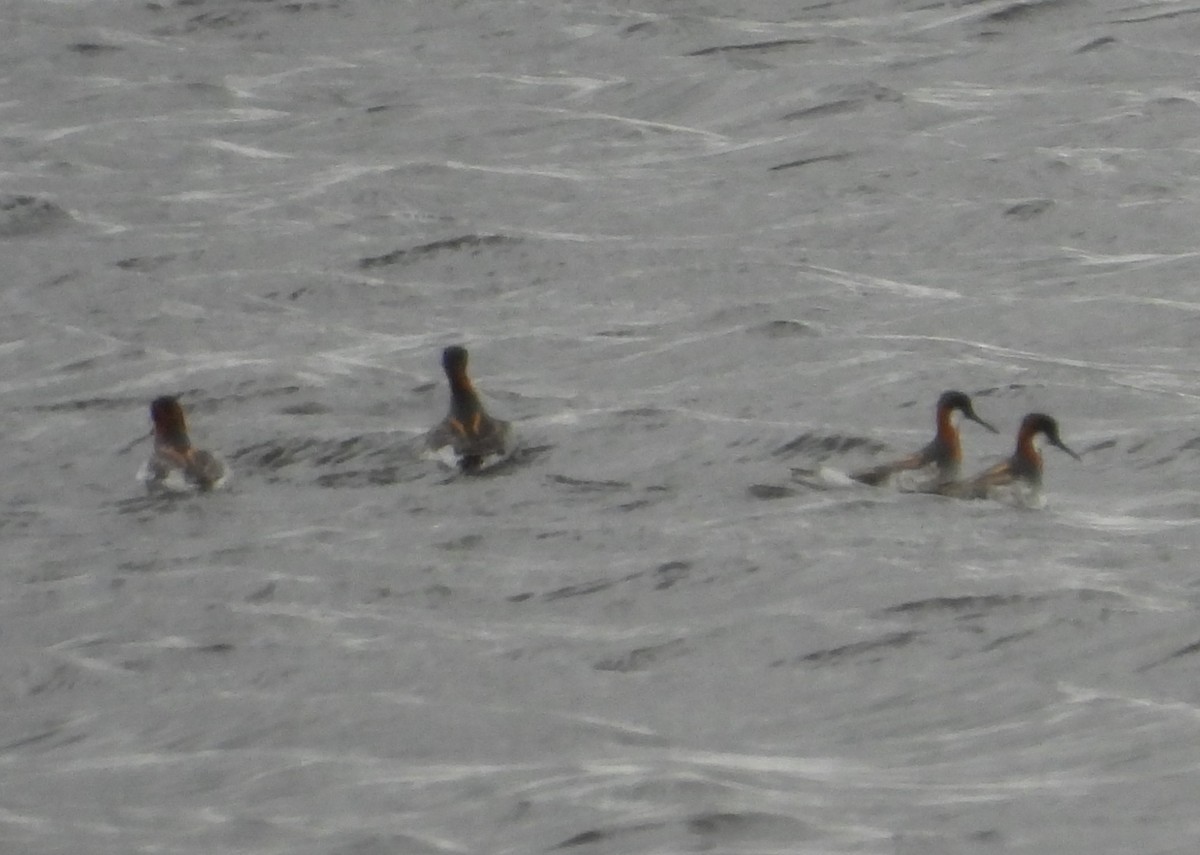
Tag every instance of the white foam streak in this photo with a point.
(564, 174)
(879, 283)
(626, 120)
(248, 151)
(1013, 353)
(1127, 260)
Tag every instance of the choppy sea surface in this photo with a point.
(691, 246)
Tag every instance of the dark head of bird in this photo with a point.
(953, 400)
(463, 400)
(170, 426)
(1036, 423)
(454, 361)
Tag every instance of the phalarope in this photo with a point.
(175, 464)
(475, 438)
(1019, 478)
(943, 455)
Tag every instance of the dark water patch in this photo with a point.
(728, 827)
(644, 412)
(264, 594)
(309, 6)
(138, 566)
(1182, 652)
(768, 492)
(56, 677)
(93, 48)
(222, 15)
(341, 451)
(382, 476)
(622, 332)
(808, 161)
(666, 575)
(174, 657)
(384, 844)
(704, 831)
(867, 90)
(247, 390)
(25, 215)
(582, 589)
(1005, 640)
(752, 47)
(50, 737)
(1191, 445)
(18, 520)
(784, 329)
(77, 404)
(52, 570)
(1171, 102)
(635, 505)
(1157, 451)
(847, 98)
(235, 555)
(155, 503)
(871, 650)
(434, 595)
(647, 418)
(209, 20)
(823, 446)
(461, 544)
(991, 391)
(970, 613)
(654, 494)
(364, 460)
(1029, 209)
(60, 279)
(291, 296)
(430, 596)
(829, 108)
(1022, 11)
(81, 365)
(275, 454)
(1095, 44)
(306, 408)
(971, 605)
(598, 835)
(194, 400)
(569, 533)
(643, 658)
(1175, 13)
(456, 244)
(584, 838)
(583, 485)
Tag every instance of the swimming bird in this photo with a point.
(175, 464)
(1019, 478)
(475, 438)
(943, 454)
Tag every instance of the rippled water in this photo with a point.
(691, 247)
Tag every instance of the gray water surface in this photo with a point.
(691, 246)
